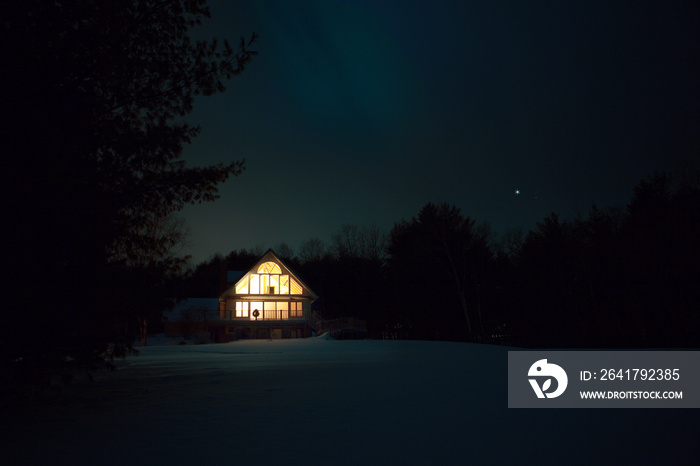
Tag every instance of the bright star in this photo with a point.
(517, 191)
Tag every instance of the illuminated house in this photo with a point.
(268, 301)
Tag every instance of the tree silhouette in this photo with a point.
(438, 263)
(93, 102)
(617, 278)
(663, 237)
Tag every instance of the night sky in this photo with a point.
(363, 111)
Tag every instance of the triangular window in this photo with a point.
(242, 286)
(295, 287)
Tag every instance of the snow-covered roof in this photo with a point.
(194, 309)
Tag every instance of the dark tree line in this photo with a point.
(438, 268)
(613, 278)
(92, 100)
(616, 277)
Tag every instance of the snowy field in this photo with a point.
(318, 401)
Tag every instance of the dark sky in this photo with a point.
(362, 111)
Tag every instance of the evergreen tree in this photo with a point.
(93, 97)
(438, 263)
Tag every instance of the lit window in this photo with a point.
(283, 310)
(270, 310)
(242, 286)
(269, 267)
(254, 284)
(296, 310)
(268, 280)
(241, 309)
(296, 287)
(256, 306)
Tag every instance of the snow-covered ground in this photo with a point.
(319, 401)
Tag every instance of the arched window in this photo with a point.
(268, 280)
(269, 267)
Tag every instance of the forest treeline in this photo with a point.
(615, 277)
(93, 99)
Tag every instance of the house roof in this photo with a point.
(270, 256)
(193, 309)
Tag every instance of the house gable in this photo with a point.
(269, 276)
(268, 291)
